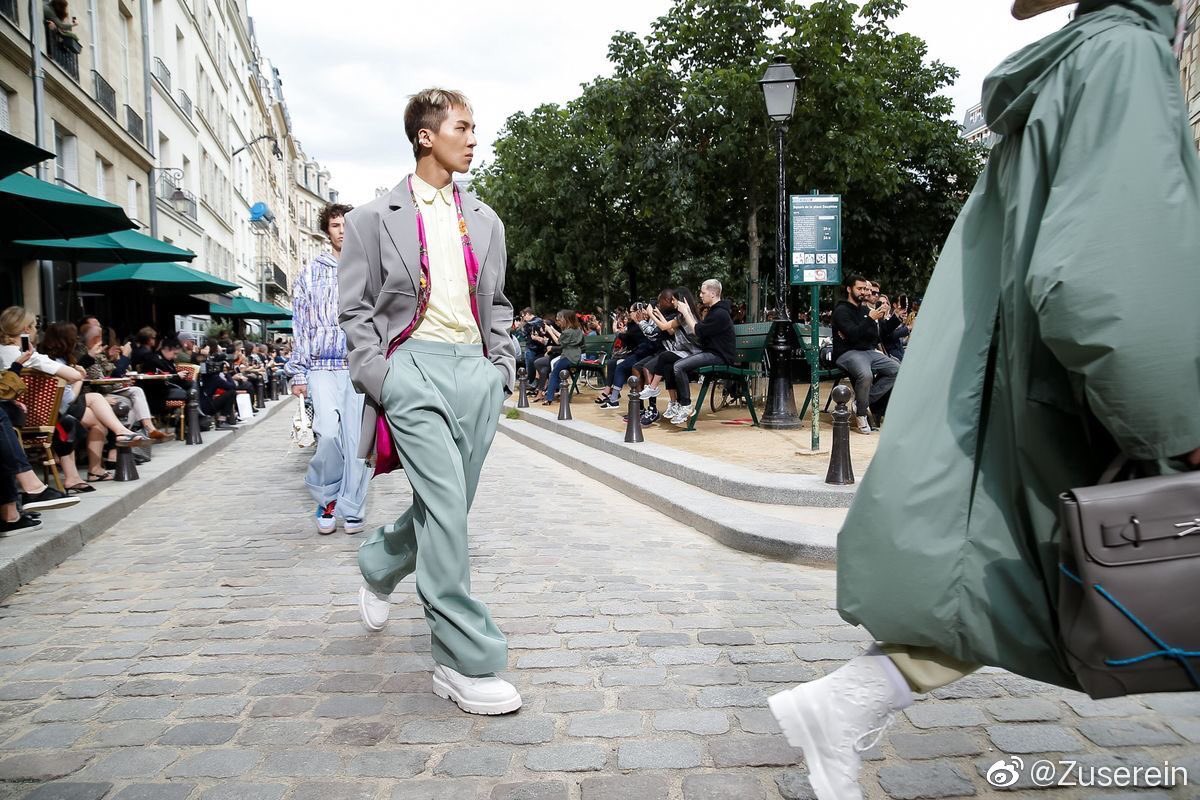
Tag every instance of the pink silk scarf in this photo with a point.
(387, 458)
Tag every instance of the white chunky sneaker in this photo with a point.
(486, 695)
(863, 425)
(373, 608)
(354, 525)
(649, 391)
(836, 718)
(672, 409)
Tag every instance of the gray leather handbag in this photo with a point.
(1129, 584)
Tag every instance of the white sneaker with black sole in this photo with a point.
(46, 499)
(354, 525)
(483, 695)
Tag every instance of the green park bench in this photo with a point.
(750, 352)
(597, 350)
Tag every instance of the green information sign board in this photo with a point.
(816, 221)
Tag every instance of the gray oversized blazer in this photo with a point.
(377, 289)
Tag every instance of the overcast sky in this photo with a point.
(348, 67)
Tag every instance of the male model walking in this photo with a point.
(423, 307)
(337, 476)
(1035, 363)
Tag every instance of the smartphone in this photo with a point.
(24, 342)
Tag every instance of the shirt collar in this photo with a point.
(427, 194)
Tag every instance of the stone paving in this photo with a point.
(207, 648)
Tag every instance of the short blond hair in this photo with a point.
(13, 322)
(427, 110)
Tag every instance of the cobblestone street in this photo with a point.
(208, 648)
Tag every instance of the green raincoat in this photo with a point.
(1068, 291)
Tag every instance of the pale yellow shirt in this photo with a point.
(448, 317)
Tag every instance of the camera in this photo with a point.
(217, 362)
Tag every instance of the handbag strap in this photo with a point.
(1113, 469)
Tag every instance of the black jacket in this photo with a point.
(715, 332)
(854, 330)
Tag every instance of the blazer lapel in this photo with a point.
(401, 226)
(479, 228)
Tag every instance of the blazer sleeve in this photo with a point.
(358, 288)
(502, 349)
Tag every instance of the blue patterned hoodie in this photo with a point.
(317, 339)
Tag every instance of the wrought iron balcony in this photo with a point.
(185, 103)
(60, 55)
(104, 93)
(9, 9)
(162, 74)
(134, 125)
(272, 277)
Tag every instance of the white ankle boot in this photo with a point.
(373, 608)
(486, 695)
(835, 718)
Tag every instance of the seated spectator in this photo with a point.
(897, 342)
(536, 341)
(679, 343)
(22, 495)
(92, 356)
(637, 340)
(144, 343)
(717, 341)
(91, 409)
(218, 390)
(570, 343)
(860, 322)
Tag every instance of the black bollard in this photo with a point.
(841, 473)
(260, 399)
(522, 388)
(564, 394)
(633, 427)
(272, 387)
(126, 465)
(191, 422)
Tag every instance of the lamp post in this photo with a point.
(275, 151)
(779, 90)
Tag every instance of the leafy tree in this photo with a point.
(664, 173)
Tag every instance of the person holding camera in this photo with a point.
(860, 323)
(536, 340)
(337, 478)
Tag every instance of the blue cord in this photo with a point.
(1165, 650)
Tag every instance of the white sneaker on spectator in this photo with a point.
(649, 391)
(682, 415)
(326, 521)
(864, 426)
(354, 525)
(672, 409)
(373, 608)
(830, 718)
(484, 695)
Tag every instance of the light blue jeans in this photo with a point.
(334, 473)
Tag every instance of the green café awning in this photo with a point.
(120, 247)
(245, 308)
(16, 154)
(283, 326)
(164, 279)
(34, 209)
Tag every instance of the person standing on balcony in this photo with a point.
(337, 478)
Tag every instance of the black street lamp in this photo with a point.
(779, 91)
(174, 178)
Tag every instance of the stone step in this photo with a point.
(717, 477)
(780, 532)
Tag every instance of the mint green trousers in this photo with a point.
(442, 403)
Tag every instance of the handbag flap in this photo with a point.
(1139, 521)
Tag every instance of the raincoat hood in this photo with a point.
(1010, 91)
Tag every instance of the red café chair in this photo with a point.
(42, 398)
(189, 372)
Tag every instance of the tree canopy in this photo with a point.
(664, 173)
